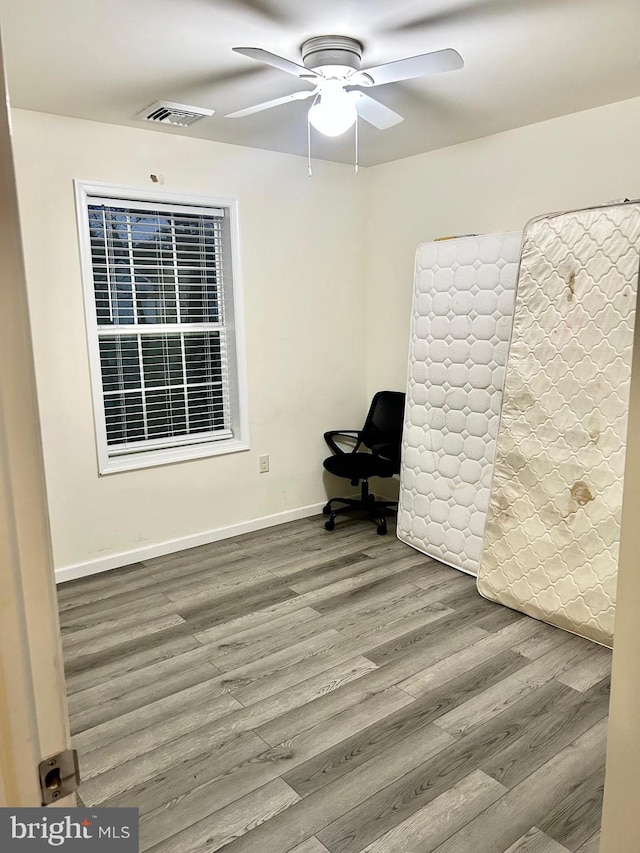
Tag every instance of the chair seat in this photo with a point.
(359, 466)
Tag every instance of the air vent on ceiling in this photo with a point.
(180, 115)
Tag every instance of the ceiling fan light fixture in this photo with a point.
(331, 65)
(334, 113)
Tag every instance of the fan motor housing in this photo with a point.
(334, 51)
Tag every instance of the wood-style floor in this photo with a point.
(304, 691)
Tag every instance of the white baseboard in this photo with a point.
(126, 558)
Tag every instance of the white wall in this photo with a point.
(492, 184)
(301, 249)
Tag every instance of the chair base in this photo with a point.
(376, 511)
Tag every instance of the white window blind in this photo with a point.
(165, 351)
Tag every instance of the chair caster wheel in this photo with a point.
(326, 509)
(381, 530)
(329, 525)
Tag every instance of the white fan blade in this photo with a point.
(296, 96)
(374, 112)
(406, 69)
(276, 61)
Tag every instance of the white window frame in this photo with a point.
(185, 448)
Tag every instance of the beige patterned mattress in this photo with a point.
(553, 525)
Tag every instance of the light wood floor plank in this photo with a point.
(158, 711)
(131, 746)
(588, 672)
(306, 564)
(88, 615)
(335, 649)
(575, 819)
(423, 638)
(299, 691)
(376, 604)
(284, 564)
(273, 666)
(210, 626)
(232, 822)
(264, 632)
(295, 559)
(104, 790)
(547, 735)
(360, 588)
(311, 845)
(245, 647)
(503, 823)
(409, 721)
(217, 610)
(386, 809)
(84, 678)
(197, 769)
(297, 719)
(134, 581)
(437, 821)
(439, 576)
(178, 788)
(500, 618)
(370, 623)
(124, 683)
(332, 571)
(191, 746)
(131, 700)
(309, 815)
(386, 545)
(102, 639)
(592, 845)
(464, 660)
(510, 690)
(225, 552)
(91, 669)
(535, 841)
(266, 766)
(196, 591)
(545, 639)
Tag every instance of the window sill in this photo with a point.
(168, 456)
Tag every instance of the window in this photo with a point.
(163, 313)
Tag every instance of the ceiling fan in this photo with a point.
(331, 65)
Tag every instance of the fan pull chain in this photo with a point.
(357, 166)
(315, 101)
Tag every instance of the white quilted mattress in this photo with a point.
(462, 314)
(551, 541)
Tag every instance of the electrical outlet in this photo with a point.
(263, 464)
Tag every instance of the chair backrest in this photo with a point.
(385, 420)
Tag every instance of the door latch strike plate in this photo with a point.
(59, 776)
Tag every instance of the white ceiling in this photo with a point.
(525, 61)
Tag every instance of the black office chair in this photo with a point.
(382, 435)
